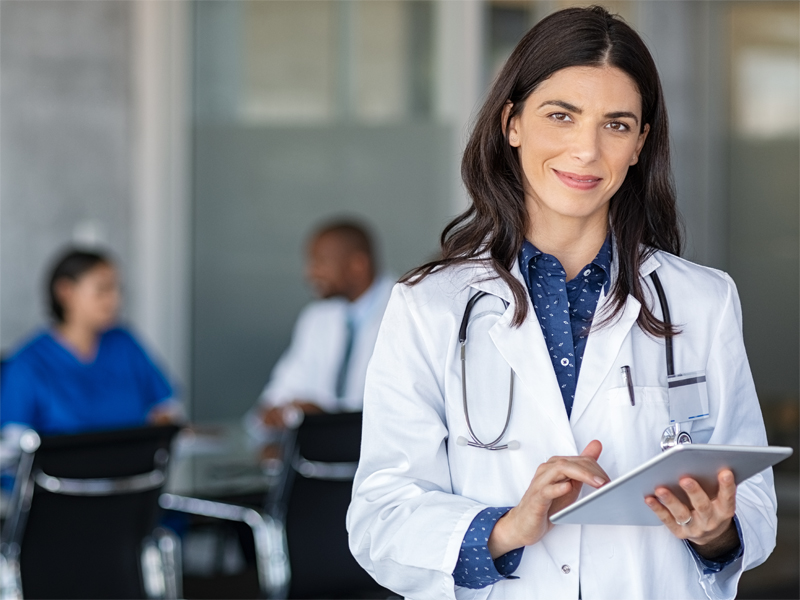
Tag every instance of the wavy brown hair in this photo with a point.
(642, 213)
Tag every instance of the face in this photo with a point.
(577, 134)
(93, 300)
(328, 265)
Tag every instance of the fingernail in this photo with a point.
(661, 496)
(727, 477)
(599, 481)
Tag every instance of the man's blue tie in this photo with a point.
(341, 378)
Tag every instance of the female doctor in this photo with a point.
(572, 234)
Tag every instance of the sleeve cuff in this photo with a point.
(711, 566)
(475, 568)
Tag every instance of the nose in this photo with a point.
(586, 144)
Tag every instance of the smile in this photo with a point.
(576, 181)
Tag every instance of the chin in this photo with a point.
(579, 208)
(579, 212)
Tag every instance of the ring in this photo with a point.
(686, 522)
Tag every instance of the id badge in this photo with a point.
(688, 397)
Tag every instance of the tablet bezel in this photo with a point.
(667, 468)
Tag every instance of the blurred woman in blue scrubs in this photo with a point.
(84, 372)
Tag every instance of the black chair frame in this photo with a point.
(72, 484)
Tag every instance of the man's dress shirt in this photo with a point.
(314, 367)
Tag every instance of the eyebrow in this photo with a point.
(575, 109)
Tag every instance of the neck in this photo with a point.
(80, 337)
(358, 288)
(574, 242)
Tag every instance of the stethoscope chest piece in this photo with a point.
(673, 436)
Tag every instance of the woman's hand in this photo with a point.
(161, 417)
(555, 485)
(707, 524)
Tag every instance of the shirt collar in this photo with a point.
(360, 308)
(602, 260)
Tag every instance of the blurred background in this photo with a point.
(201, 141)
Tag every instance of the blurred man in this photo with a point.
(325, 365)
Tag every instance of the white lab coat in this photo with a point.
(416, 491)
(308, 369)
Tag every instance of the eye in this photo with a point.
(561, 117)
(618, 126)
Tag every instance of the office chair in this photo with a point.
(313, 504)
(269, 539)
(300, 537)
(83, 521)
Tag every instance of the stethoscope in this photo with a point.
(672, 436)
(462, 340)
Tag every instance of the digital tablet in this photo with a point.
(621, 502)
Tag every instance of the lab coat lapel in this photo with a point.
(604, 344)
(525, 350)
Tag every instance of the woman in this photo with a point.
(83, 373)
(572, 215)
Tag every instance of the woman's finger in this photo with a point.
(593, 449)
(557, 490)
(584, 461)
(679, 511)
(585, 470)
(665, 516)
(697, 495)
(726, 497)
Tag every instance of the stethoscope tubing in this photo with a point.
(462, 340)
(662, 300)
(475, 442)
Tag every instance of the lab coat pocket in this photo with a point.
(463, 593)
(638, 425)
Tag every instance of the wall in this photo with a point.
(305, 111)
(65, 110)
(94, 151)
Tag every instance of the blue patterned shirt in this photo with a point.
(565, 309)
(475, 568)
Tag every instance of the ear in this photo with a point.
(360, 263)
(63, 288)
(512, 134)
(640, 143)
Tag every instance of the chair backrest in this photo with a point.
(325, 458)
(93, 502)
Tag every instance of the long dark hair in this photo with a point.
(72, 264)
(642, 213)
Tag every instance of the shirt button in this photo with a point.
(564, 362)
(587, 272)
(565, 569)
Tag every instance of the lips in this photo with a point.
(578, 181)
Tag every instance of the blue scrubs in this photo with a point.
(47, 387)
